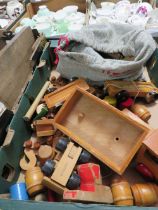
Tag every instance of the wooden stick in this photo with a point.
(33, 107)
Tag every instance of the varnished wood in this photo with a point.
(44, 127)
(30, 155)
(105, 131)
(63, 93)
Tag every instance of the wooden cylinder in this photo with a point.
(141, 111)
(33, 107)
(33, 179)
(144, 194)
(45, 152)
(122, 194)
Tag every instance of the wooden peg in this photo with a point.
(30, 155)
(33, 107)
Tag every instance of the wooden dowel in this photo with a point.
(33, 107)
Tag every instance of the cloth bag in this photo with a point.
(85, 59)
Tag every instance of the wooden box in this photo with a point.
(101, 129)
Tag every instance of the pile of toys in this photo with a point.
(83, 139)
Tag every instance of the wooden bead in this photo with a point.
(121, 191)
(45, 152)
(28, 144)
(36, 145)
(144, 194)
(141, 111)
(33, 179)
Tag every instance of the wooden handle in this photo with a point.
(33, 107)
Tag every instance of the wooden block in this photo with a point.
(134, 88)
(47, 182)
(45, 152)
(105, 132)
(151, 142)
(66, 164)
(102, 194)
(44, 127)
(30, 155)
(63, 93)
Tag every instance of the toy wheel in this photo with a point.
(73, 182)
(84, 157)
(62, 144)
(48, 167)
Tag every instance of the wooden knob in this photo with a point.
(141, 111)
(45, 152)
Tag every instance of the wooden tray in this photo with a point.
(101, 129)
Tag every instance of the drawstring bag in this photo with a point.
(105, 52)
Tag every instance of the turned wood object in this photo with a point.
(145, 194)
(33, 179)
(121, 191)
(141, 111)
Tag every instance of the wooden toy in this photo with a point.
(141, 111)
(121, 192)
(44, 127)
(135, 117)
(30, 155)
(63, 93)
(123, 100)
(33, 179)
(45, 152)
(48, 167)
(90, 176)
(135, 88)
(102, 131)
(102, 194)
(66, 164)
(50, 184)
(41, 114)
(33, 107)
(145, 194)
(148, 153)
